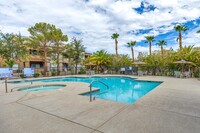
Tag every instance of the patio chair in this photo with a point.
(186, 74)
(140, 73)
(134, 73)
(88, 72)
(145, 73)
(177, 74)
(92, 72)
(105, 72)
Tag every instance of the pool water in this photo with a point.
(41, 88)
(124, 90)
(121, 89)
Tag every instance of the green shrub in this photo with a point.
(196, 73)
(42, 72)
(53, 73)
(82, 71)
(36, 75)
(22, 75)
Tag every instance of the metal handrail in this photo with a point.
(20, 86)
(6, 83)
(98, 93)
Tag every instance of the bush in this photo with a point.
(42, 72)
(82, 71)
(196, 73)
(36, 75)
(22, 75)
(53, 73)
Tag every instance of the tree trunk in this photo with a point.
(150, 48)
(76, 68)
(116, 47)
(45, 60)
(58, 61)
(132, 54)
(97, 69)
(180, 40)
(58, 64)
(162, 50)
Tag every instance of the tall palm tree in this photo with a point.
(198, 31)
(161, 43)
(150, 39)
(179, 29)
(115, 36)
(131, 44)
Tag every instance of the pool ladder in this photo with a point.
(98, 93)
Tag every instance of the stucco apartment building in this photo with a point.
(36, 61)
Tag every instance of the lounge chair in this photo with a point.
(140, 73)
(90, 72)
(105, 72)
(177, 74)
(186, 74)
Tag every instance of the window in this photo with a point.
(36, 64)
(15, 67)
(33, 52)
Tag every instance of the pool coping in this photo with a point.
(81, 76)
(93, 90)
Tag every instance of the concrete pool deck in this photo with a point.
(172, 107)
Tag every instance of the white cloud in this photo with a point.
(192, 38)
(96, 20)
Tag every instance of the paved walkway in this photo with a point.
(172, 107)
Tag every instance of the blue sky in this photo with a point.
(94, 21)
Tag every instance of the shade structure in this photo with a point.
(183, 62)
(139, 63)
(90, 64)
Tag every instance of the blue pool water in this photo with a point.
(121, 89)
(42, 88)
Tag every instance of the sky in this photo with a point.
(94, 21)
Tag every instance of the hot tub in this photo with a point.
(40, 88)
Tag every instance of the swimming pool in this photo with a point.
(41, 88)
(121, 89)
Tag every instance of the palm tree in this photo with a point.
(100, 58)
(179, 29)
(198, 31)
(150, 39)
(115, 36)
(161, 43)
(131, 44)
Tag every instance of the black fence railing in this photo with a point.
(127, 70)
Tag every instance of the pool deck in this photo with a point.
(172, 107)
